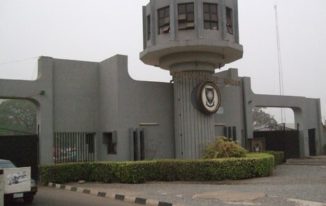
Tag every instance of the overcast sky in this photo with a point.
(94, 30)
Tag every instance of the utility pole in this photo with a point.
(280, 66)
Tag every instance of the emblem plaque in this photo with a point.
(208, 97)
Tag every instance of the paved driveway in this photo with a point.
(293, 185)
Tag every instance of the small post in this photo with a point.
(2, 188)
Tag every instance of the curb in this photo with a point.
(119, 197)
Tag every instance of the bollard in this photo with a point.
(2, 188)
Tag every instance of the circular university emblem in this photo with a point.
(208, 97)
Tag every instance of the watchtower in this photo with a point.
(191, 38)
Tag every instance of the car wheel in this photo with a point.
(28, 199)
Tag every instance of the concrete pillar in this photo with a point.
(248, 105)
(2, 192)
(319, 130)
(193, 129)
(46, 110)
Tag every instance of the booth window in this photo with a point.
(210, 16)
(186, 16)
(110, 139)
(148, 27)
(229, 20)
(230, 133)
(163, 20)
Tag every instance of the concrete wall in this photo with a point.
(128, 104)
(76, 96)
(306, 110)
(231, 111)
(324, 142)
(101, 97)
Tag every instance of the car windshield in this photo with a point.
(7, 164)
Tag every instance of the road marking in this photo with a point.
(306, 203)
(231, 196)
(243, 203)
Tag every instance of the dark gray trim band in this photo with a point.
(73, 189)
(86, 191)
(101, 194)
(164, 204)
(119, 197)
(140, 201)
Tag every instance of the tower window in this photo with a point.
(148, 27)
(210, 16)
(186, 16)
(229, 20)
(163, 20)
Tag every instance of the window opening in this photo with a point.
(135, 135)
(148, 27)
(210, 16)
(110, 139)
(164, 20)
(229, 20)
(230, 133)
(186, 16)
(234, 133)
(90, 142)
(142, 144)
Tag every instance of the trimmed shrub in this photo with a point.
(279, 156)
(253, 165)
(222, 148)
(106, 173)
(66, 172)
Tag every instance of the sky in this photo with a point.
(94, 30)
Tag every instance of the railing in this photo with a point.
(74, 147)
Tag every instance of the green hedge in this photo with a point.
(254, 165)
(279, 156)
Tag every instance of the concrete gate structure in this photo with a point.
(131, 120)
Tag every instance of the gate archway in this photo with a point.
(19, 140)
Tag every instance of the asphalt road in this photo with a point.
(52, 197)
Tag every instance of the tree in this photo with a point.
(262, 119)
(17, 117)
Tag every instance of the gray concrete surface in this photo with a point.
(52, 197)
(292, 185)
